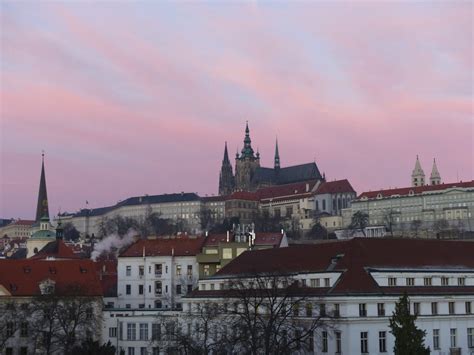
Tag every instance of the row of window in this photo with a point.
(428, 281)
(158, 289)
(158, 270)
(142, 351)
(417, 308)
(324, 282)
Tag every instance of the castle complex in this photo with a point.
(249, 175)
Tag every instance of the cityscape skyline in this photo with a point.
(117, 122)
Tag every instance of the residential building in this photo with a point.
(20, 228)
(359, 281)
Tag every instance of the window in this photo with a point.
(452, 336)
(128, 289)
(128, 270)
(156, 350)
(461, 281)
(158, 288)
(206, 270)
(314, 282)
(470, 337)
(178, 289)
(362, 310)
(392, 281)
(427, 281)
(131, 331)
(309, 309)
(338, 342)
(382, 342)
(325, 342)
(436, 339)
(156, 331)
(24, 329)
(324, 205)
(143, 351)
(381, 309)
(141, 270)
(337, 311)
(227, 253)
(158, 304)
(416, 308)
(158, 269)
(143, 331)
(468, 307)
(444, 281)
(23, 350)
(190, 288)
(322, 310)
(112, 332)
(9, 351)
(289, 211)
(10, 329)
(434, 308)
(140, 289)
(451, 308)
(410, 281)
(327, 282)
(364, 342)
(178, 270)
(190, 271)
(131, 351)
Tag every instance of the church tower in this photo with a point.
(277, 158)
(226, 177)
(435, 178)
(42, 210)
(418, 175)
(246, 164)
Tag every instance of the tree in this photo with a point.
(12, 316)
(359, 222)
(93, 347)
(415, 226)
(440, 226)
(70, 232)
(264, 222)
(389, 220)
(409, 340)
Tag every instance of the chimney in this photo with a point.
(172, 251)
(227, 236)
(307, 187)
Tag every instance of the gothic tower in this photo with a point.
(226, 177)
(435, 178)
(418, 175)
(246, 164)
(277, 157)
(42, 210)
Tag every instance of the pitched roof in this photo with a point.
(243, 195)
(333, 187)
(261, 239)
(354, 258)
(177, 246)
(56, 249)
(23, 222)
(287, 175)
(405, 191)
(22, 277)
(287, 190)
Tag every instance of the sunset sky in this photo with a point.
(129, 98)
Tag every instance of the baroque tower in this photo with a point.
(226, 177)
(42, 210)
(418, 175)
(435, 178)
(246, 164)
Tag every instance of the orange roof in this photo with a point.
(178, 246)
(23, 222)
(405, 191)
(333, 187)
(286, 190)
(56, 249)
(22, 277)
(243, 195)
(261, 238)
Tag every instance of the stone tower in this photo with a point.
(246, 164)
(435, 178)
(226, 177)
(42, 210)
(418, 175)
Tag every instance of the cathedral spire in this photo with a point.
(226, 155)
(277, 156)
(42, 210)
(418, 175)
(226, 176)
(435, 178)
(247, 151)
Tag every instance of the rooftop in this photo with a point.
(176, 246)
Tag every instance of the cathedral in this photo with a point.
(250, 176)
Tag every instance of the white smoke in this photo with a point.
(112, 242)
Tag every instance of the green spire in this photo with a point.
(42, 210)
(247, 150)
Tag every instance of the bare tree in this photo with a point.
(360, 221)
(415, 226)
(389, 220)
(12, 317)
(440, 226)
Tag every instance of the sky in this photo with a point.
(134, 98)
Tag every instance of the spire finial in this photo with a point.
(277, 155)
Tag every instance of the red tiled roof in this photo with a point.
(286, 190)
(405, 191)
(107, 273)
(178, 246)
(243, 195)
(23, 222)
(355, 257)
(332, 187)
(56, 249)
(22, 277)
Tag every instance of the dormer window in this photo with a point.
(411, 193)
(379, 195)
(47, 287)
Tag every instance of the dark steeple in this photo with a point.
(277, 156)
(247, 151)
(226, 177)
(42, 210)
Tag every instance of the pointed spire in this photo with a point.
(435, 178)
(277, 156)
(42, 210)
(247, 150)
(226, 155)
(418, 175)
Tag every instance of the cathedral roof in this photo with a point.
(288, 175)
